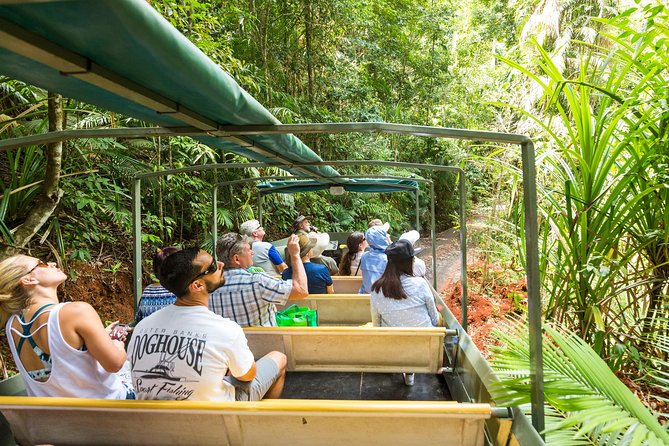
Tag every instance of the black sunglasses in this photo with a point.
(210, 269)
(40, 264)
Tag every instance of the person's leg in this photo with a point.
(268, 383)
(281, 361)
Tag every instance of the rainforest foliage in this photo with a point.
(588, 81)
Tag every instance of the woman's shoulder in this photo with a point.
(77, 309)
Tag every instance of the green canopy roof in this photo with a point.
(123, 56)
(370, 185)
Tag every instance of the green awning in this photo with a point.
(369, 185)
(123, 56)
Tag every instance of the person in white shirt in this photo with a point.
(184, 351)
(418, 264)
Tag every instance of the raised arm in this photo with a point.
(300, 288)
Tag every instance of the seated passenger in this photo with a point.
(249, 298)
(398, 298)
(184, 351)
(318, 278)
(323, 243)
(386, 227)
(418, 264)
(60, 349)
(302, 225)
(265, 254)
(155, 296)
(373, 262)
(350, 261)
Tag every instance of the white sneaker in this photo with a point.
(409, 378)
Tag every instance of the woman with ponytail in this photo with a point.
(398, 298)
(60, 349)
(350, 262)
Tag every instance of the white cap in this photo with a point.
(411, 236)
(322, 243)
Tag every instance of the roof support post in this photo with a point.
(137, 239)
(260, 203)
(433, 235)
(533, 285)
(418, 210)
(463, 247)
(214, 216)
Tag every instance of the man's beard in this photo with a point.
(211, 287)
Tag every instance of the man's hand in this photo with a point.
(293, 245)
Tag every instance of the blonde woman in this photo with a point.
(60, 349)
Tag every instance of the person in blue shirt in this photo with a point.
(319, 280)
(373, 262)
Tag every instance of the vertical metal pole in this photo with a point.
(418, 209)
(433, 236)
(260, 208)
(533, 284)
(463, 246)
(137, 239)
(214, 217)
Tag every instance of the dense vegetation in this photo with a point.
(589, 81)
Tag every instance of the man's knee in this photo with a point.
(279, 358)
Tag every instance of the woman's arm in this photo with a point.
(431, 306)
(376, 316)
(81, 325)
(329, 289)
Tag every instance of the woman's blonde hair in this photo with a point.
(13, 297)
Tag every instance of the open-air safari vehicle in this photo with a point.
(342, 386)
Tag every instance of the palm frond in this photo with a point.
(586, 398)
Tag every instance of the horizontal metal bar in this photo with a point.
(373, 127)
(278, 189)
(225, 166)
(502, 412)
(66, 135)
(287, 178)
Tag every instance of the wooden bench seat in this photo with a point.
(353, 349)
(76, 421)
(337, 309)
(346, 284)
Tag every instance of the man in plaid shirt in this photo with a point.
(249, 298)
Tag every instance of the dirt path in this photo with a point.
(448, 253)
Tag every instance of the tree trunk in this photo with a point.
(308, 36)
(48, 199)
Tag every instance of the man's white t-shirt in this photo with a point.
(183, 353)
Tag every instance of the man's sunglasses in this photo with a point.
(40, 264)
(211, 269)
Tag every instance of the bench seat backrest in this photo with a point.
(337, 309)
(352, 349)
(346, 284)
(277, 422)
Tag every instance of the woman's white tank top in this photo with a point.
(74, 373)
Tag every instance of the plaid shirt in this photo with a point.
(249, 298)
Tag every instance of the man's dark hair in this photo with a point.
(178, 270)
(229, 245)
(390, 282)
(160, 257)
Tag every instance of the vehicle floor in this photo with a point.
(364, 386)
